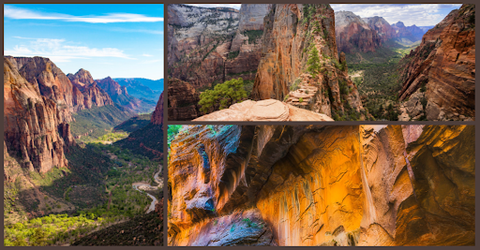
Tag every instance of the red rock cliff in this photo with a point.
(157, 116)
(322, 185)
(354, 34)
(34, 125)
(86, 92)
(290, 33)
(208, 45)
(445, 64)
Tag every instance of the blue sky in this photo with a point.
(409, 14)
(117, 40)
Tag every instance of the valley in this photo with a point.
(305, 56)
(69, 173)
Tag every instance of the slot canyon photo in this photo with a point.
(312, 185)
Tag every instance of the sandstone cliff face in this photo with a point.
(354, 34)
(445, 64)
(51, 82)
(157, 116)
(322, 185)
(182, 101)
(86, 93)
(383, 28)
(120, 96)
(32, 117)
(290, 33)
(208, 45)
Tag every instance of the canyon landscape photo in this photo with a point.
(321, 62)
(83, 125)
(321, 185)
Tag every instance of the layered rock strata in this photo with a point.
(291, 32)
(265, 110)
(322, 185)
(354, 34)
(35, 129)
(442, 68)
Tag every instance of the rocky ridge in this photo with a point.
(442, 69)
(353, 33)
(120, 96)
(291, 33)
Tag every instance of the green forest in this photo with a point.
(93, 193)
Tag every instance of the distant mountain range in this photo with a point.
(142, 88)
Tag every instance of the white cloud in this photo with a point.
(409, 14)
(19, 13)
(147, 55)
(235, 6)
(58, 51)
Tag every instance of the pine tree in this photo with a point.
(313, 62)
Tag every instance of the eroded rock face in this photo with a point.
(182, 101)
(86, 92)
(444, 63)
(354, 34)
(120, 95)
(383, 28)
(290, 32)
(265, 110)
(157, 116)
(32, 120)
(49, 80)
(208, 45)
(322, 185)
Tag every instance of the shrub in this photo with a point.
(225, 94)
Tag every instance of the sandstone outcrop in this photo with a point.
(383, 28)
(86, 92)
(265, 110)
(182, 101)
(291, 32)
(157, 116)
(443, 67)
(213, 45)
(120, 96)
(354, 34)
(32, 120)
(322, 185)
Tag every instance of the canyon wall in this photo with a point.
(354, 34)
(36, 113)
(441, 70)
(300, 64)
(322, 185)
(182, 101)
(120, 96)
(86, 92)
(213, 45)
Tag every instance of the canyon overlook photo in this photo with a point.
(321, 185)
(321, 62)
(83, 125)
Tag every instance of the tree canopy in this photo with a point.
(224, 94)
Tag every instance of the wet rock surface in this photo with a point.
(322, 185)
